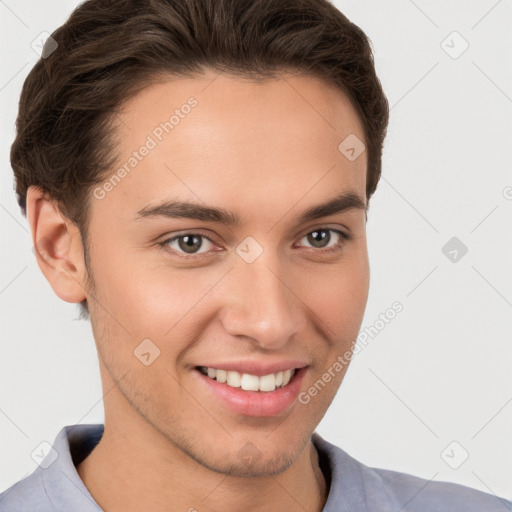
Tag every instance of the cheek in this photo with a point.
(338, 295)
(144, 299)
(150, 300)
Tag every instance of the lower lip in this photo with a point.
(255, 403)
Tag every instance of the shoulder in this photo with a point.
(368, 489)
(27, 495)
(417, 494)
(55, 483)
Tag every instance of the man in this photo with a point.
(197, 174)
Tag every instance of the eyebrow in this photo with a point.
(181, 209)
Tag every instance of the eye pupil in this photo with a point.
(324, 235)
(190, 244)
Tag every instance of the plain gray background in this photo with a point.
(434, 385)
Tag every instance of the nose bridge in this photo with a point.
(261, 305)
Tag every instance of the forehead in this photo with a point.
(221, 138)
(226, 101)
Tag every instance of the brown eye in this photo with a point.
(187, 243)
(320, 239)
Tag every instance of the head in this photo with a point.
(255, 115)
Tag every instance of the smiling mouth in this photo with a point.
(248, 382)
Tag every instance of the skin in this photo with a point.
(266, 151)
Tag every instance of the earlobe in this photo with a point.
(57, 246)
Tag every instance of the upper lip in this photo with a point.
(256, 367)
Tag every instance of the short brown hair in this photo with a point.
(108, 50)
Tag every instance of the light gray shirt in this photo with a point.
(55, 486)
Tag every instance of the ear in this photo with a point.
(57, 246)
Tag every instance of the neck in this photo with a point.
(129, 473)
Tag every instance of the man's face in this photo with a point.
(274, 291)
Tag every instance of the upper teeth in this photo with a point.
(250, 382)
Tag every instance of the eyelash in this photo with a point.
(345, 237)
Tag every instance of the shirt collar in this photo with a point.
(66, 491)
(61, 481)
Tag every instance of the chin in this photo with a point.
(256, 465)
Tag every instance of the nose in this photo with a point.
(262, 303)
